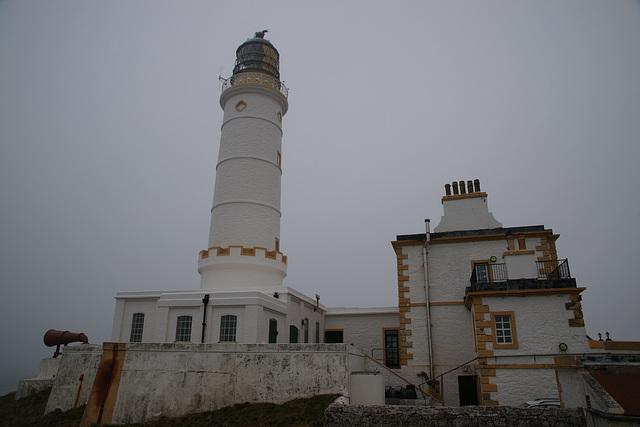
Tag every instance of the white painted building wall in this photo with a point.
(253, 309)
(466, 212)
(516, 386)
(246, 204)
(363, 327)
(541, 323)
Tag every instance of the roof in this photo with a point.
(622, 383)
(482, 232)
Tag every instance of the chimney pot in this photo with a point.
(455, 187)
(469, 187)
(447, 189)
(462, 191)
(476, 183)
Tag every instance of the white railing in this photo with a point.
(248, 78)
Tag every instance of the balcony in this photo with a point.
(552, 274)
(252, 78)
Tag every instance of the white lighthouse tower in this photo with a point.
(244, 239)
(241, 298)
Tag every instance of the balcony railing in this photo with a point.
(493, 277)
(249, 78)
(553, 269)
(489, 273)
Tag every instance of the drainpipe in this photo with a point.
(427, 235)
(205, 301)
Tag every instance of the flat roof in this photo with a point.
(481, 232)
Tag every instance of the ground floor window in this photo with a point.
(333, 336)
(273, 331)
(317, 332)
(228, 326)
(183, 329)
(391, 348)
(137, 325)
(293, 335)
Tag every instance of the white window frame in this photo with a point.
(228, 328)
(183, 328)
(137, 327)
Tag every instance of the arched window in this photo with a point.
(183, 329)
(137, 324)
(228, 325)
(293, 335)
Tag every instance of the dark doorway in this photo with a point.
(468, 389)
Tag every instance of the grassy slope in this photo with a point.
(299, 412)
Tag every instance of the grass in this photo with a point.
(299, 412)
(28, 412)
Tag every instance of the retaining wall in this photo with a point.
(340, 414)
(138, 382)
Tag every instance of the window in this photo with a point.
(482, 273)
(273, 331)
(228, 324)
(277, 244)
(333, 336)
(305, 325)
(293, 335)
(183, 329)
(317, 332)
(391, 348)
(504, 330)
(137, 324)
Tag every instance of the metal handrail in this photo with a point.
(251, 78)
(405, 380)
(554, 269)
(496, 273)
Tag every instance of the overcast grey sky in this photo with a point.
(109, 132)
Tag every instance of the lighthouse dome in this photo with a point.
(258, 54)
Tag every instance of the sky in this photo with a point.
(110, 126)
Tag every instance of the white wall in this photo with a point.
(542, 323)
(74, 380)
(516, 386)
(362, 327)
(176, 379)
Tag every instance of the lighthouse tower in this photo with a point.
(241, 297)
(244, 239)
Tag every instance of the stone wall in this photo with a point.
(75, 376)
(44, 380)
(137, 382)
(340, 414)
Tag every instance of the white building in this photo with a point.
(486, 314)
(503, 307)
(496, 312)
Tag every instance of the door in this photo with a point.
(468, 390)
